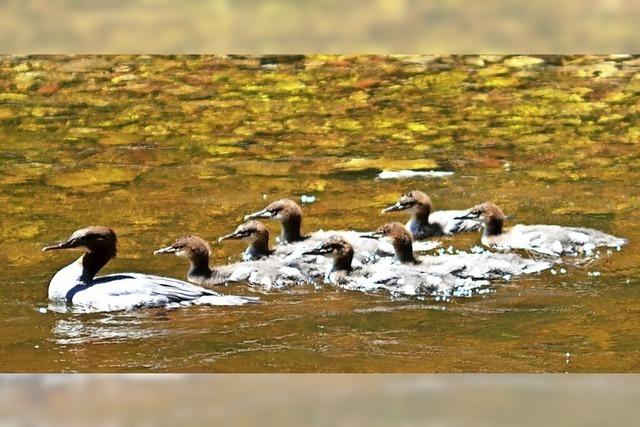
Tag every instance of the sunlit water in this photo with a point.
(159, 147)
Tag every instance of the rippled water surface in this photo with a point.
(159, 147)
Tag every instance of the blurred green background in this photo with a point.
(361, 26)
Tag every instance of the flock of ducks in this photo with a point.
(382, 259)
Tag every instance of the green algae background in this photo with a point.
(161, 146)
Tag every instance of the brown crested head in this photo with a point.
(95, 238)
(281, 210)
(393, 231)
(251, 230)
(338, 248)
(485, 212)
(413, 202)
(400, 239)
(191, 247)
(332, 245)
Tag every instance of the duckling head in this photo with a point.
(194, 248)
(484, 212)
(489, 214)
(256, 234)
(336, 247)
(288, 213)
(251, 230)
(280, 210)
(400, 239)
(414, 202)
(197, 251)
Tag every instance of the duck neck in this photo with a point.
(93, 261)
(421, 216)
(290, 229)
(342, 262)
(404, 251)
(259, 247)
(199, 269)
(493, 227)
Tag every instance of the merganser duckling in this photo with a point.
(403, 279)
(268, 271)
(257, 235)
(342, 253)
(400, 239)
(77, 284)
(545, 239)
(288, 213)
(197, 251)
(486, 265)
(424, 223)
(291, 255)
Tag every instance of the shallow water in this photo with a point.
(159, 147)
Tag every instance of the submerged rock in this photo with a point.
(92, 176)
(523, 61)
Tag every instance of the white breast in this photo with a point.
(65, 280)
(126, 291)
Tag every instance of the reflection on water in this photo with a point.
(159, 147)
(81, 330)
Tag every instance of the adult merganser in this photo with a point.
(424, 223)
(546, 239)
(267, 271)
(77, 284)
(289, 214)
(257, 235)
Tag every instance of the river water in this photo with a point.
(158, 147)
